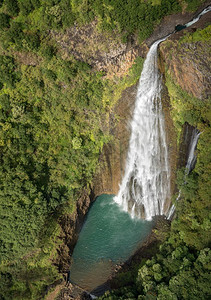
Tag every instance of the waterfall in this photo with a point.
(206, 10)
(145, 186)
(191, 156)
(189, 166)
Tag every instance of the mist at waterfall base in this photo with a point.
(108, 236)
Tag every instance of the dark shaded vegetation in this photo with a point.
(51, 133)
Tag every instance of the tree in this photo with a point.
(12, 7)
(4, 21)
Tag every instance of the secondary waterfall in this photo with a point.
(206, 10)
(189, 166)
(145, 185)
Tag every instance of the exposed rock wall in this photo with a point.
(171, 140)
(70, 228)
(189, 65)
(169, 23)
(104, 52)
(113, 157)
(189, 62)
(185, 141)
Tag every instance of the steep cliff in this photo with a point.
(186, 57)
(113, 156)
(188, 65)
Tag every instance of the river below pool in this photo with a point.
(109, 236)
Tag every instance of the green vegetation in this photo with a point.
(51, 137)
(192, 5)
(200, 35)
(128, 17)
(193, 223)
(52, 110)
(173, 274)
(4, 21)
(186, 108)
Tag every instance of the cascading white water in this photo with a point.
(189, 166)
(145, 185)
(206, 10)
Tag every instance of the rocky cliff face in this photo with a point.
(104, 52)
(71, 226)
(187, 61)
(113, 156)
(189, 64)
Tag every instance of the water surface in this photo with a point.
(109, 236)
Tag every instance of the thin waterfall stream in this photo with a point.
(189, 166)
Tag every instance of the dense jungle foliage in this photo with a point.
(51, 129)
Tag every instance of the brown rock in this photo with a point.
(113, 157)
(189, 64)
(70, 229)
(104, 52)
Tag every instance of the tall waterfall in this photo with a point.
(189, 166)
(145, 185)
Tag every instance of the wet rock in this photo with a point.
(72, 291)
(113, 157)
(185, 142)
(180, 27)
